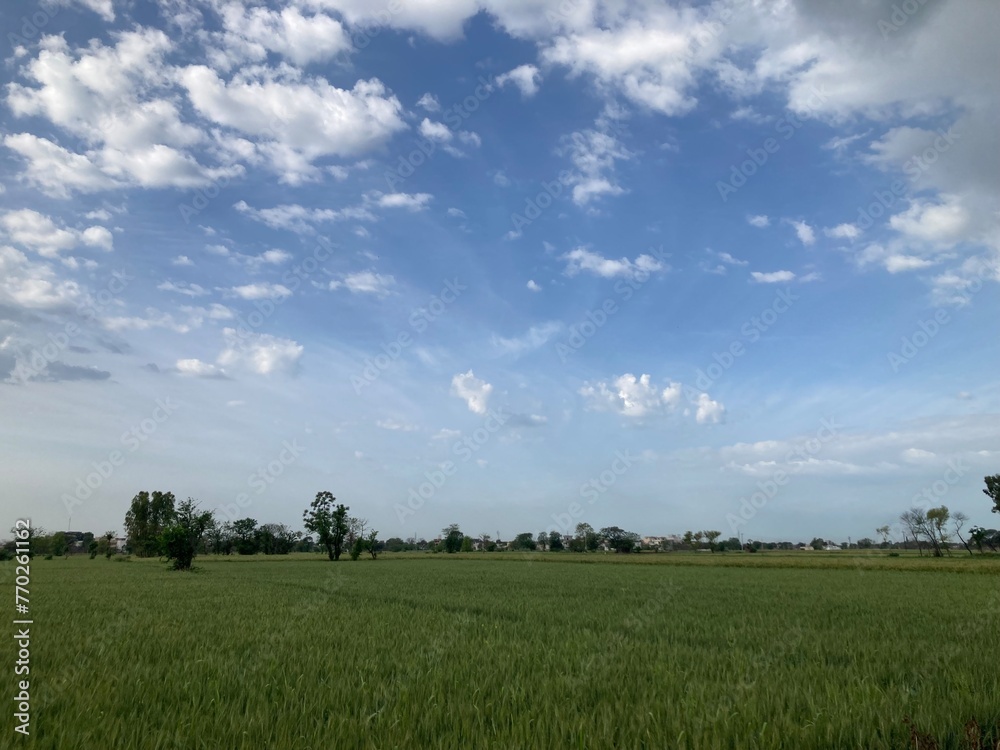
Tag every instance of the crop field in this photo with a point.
(442, 651)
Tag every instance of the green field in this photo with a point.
(805, 650)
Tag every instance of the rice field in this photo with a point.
(437, 651)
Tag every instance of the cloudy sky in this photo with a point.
(514, 265)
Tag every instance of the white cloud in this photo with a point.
(899, 263)
(197, 368)
(56, 171)
(475, 392)
(525, 77)
(182, 260)
(843, 231)
(260, 353)
(189, 290)
(429, 102)
(774, 277)
(34, 285)
(413, 202)
(760, 221)
(41, 234)
(365, 282)
(296, 121)
(456, 213)
(581, 259)
(593, 154)
(804, 232)
(261, 291)
(533, 286)
(435, 131)
(536, 337)
(637, 397)
(296, 218)
(709, 411)
(943, 223)
(250, 33)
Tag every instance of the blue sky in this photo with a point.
(512, 265)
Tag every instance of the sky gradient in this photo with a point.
(508, 265)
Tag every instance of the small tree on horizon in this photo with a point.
(328, 522)
(179, 540)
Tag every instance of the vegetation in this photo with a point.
(772, 650)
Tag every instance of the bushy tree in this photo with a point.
(147, 517)
(451, 538)
(276, 539)
(992, 491)
(556, 542)
(328, 522)
(244, 534)
(58, 544)
(466, 544)
(524, 541)
(179, 540)
(711, 536)
(620, 540)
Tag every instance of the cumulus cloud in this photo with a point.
(526, 77)
(365, 282)
(41, 234)
(475, 392)
(260, 353)
(263, 290)
(774, 277)
(583, 260)
(760, 221)
(805, 233)
(637, 397)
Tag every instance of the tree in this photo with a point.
(620, 540)
(244, 532)
(914, 521)
(556, 542)
(817, 543)
(542, 541)
(147, 517)
(524, 541)
(883, 531)
(276, 539)
(372, 544)
(978, 535)
(451, 538)
(689, 540)
(587, 538)
(106, 544)
(58, 544)
(466, 544)
(959, 519)
(92, 548)
(179, 540)
(711, 536)
(328, 522)
(992, 491)
(866, 543)
(937, 520)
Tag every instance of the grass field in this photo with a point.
(432, 651)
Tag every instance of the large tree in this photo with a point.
(451, 538)
(328, 522)
(179, 540)
(992, 491)
(620, 540)
(245, 537)
(145, 521)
